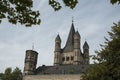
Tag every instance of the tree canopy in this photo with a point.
(16, 74)
(107, 60)
(115, 1)
(20, 11)
(57, 5)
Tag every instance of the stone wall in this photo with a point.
(52, 77)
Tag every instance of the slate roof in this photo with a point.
(70, 40)
(85, 45)
(62, 69)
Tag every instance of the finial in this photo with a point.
(72, 19)
(58, 33)
(32, 46)
(77, 29)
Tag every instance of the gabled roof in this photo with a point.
(70, 40)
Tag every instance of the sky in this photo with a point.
(92, 18)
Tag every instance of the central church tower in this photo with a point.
(71, 53)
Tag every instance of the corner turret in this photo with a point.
(58, 39)
(57, 55)
(77, 51)
(85, 46)
(77, 40)
(58, 43)
(86, 52)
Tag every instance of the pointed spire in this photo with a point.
(72, 22)
(58, 38)
(85, 45)
(72, 19)
(70, 40)
(77, 34)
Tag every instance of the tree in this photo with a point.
(57, 5)
(1, 76)
(7, 74)
(16, 74)
(107, 60)
(115, 1)
(20, 11)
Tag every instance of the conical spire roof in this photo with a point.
(85, 45)
(77, 34)
(70, 40)
(58, 38)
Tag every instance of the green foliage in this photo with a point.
(16, 74)
(57, 5)
(70, 3)
(7, 74)
(19, 11)
(107, 61)
(115, 1)
(1, 75)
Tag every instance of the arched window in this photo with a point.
(67, 58)
(63, 59)
(72, 58)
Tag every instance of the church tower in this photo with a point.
(57, 52)
(30, 62)
(77, 51)
(71, 53)
(86, 52)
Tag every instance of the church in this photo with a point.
(71, 54)
(67, 60)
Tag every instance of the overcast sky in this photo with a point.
(92, 18)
